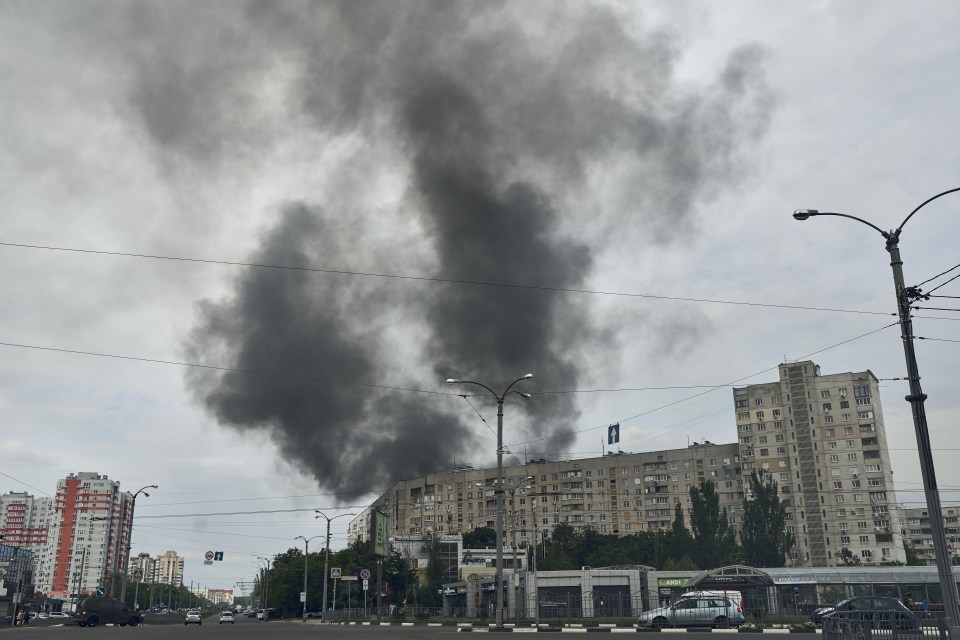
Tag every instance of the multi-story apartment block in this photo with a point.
(168, 568)
(917, 533)
(90, 534)
(822, 438)
(619, 493)
(79, 536)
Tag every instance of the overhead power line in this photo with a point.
(479, 283)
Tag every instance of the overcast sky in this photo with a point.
(652, 148)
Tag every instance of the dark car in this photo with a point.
(882, 613)
(93, 611)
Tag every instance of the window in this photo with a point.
(854, 471)
(782, 451)
(764, 452)
(872, 468)
(743, 428)
(834, 457)
(743, 403)
(759, 415)
(825, 393)
(838, 484)
(842, 391)
(835, 472)
(828, 419)
(867, 428)
(762, 439)
(761, 426)
(865, 415)
(862, 402)
(758, 402)
(839, 498)
(778, 437)
(845, 417)
(831, 445)
(776, 413)
(861, 392)
(844, 404)
(743, 415)
(829, 433)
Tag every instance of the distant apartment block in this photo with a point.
(918, 535)
(619, 493)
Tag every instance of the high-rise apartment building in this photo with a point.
(168, 568)
(822, 438)
(79, 536)
(90, 534)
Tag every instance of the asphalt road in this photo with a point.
(244, 628)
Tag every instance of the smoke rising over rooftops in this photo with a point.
(497, 116)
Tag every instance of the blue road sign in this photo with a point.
(218, 555)
(101, 592)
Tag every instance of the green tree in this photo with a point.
(766, 541)
(913, 560)
(716, 542)
(480, 538)
(681, 541)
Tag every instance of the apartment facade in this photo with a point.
(79, 536)
(168, 568)
(619, 494)
(918, 534)
(822, 437)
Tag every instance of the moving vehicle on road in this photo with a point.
(226, 616)
(193, 617)
(696, 610)
(93, 611)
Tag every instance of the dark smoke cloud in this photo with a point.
(503, 114)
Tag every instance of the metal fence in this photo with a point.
(855, 625)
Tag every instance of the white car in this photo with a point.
(193, 617)
(58, 615)
(226, 616)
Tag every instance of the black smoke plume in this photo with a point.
(503, 119)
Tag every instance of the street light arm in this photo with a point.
(479, 384)
(803, 214)
(922, 205)
(524, 377)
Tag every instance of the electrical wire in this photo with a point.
(480, 283)
(226, 369)
(697, 395)
(936, 339)
(938, 275)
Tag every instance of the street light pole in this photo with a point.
(513, 537)
(326, 560)
(499, 490)
(905, 297)
(126, 556)
(306, 555)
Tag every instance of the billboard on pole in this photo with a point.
(379, 534)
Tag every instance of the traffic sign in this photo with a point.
(101, 592)
(218, 555)
(364, 574)
(366, 585)
(138, 573)
(335, 572)
(348, 578)
(208, 555)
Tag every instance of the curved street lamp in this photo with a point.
(306, 554)
(326, 560)
(499, 490)
(126, 557)
(905, 297)
(265, 583)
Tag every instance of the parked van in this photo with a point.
(93, 611)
